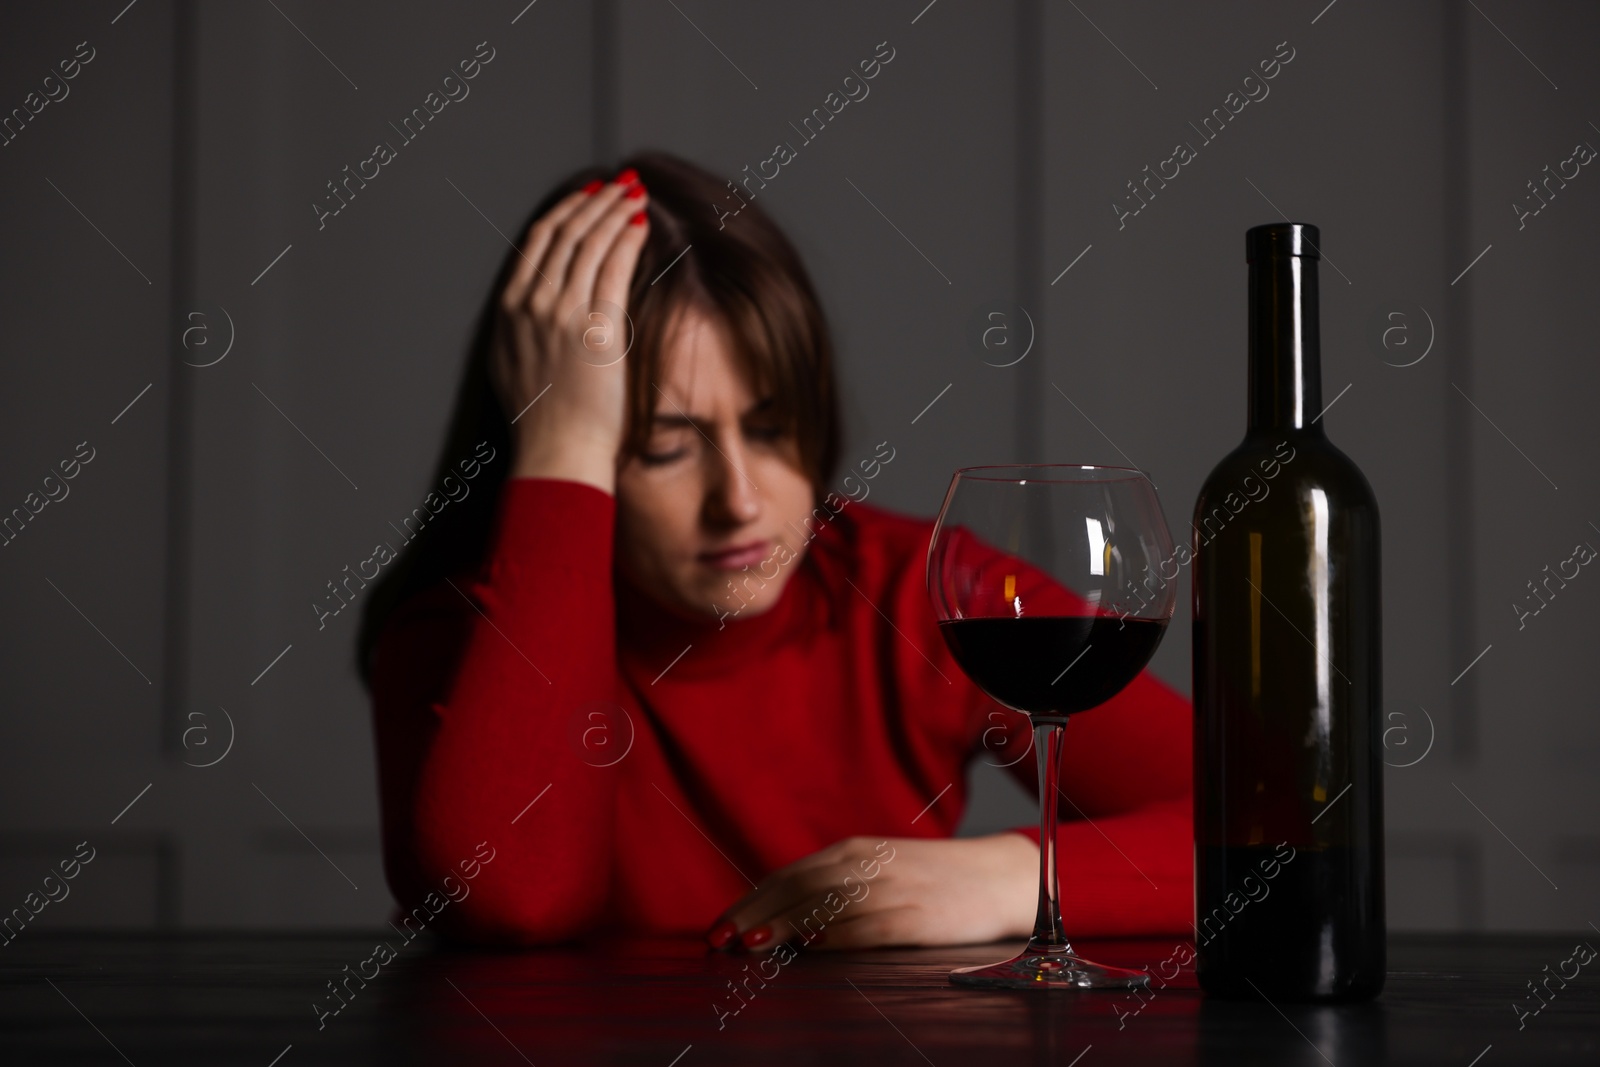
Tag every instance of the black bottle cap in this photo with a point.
(1280, 239)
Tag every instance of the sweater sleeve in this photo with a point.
(476, 683)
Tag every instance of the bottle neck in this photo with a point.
(1285, 360)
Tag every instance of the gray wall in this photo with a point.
(169, 591)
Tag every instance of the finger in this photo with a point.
(838, 854)
(777, 896)
(596, 247)
(844, 852)
(801, 924)
(534, 244)
(615, 275)
(870, 929)
(558, 257)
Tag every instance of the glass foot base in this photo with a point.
(1045, 968)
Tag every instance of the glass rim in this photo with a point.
(1131, 473)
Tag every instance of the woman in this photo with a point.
(667, 678)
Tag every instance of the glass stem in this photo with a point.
(1047, 933)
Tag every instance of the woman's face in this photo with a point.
(717, 475)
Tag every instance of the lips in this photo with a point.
(736, 557)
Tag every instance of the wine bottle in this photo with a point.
(1288, 801)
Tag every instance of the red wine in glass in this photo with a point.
(1046, 581)
(1015, 659)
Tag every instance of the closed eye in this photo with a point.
(656, 459)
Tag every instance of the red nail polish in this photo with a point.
(758, 936)
(593, 187)
(721, 934)
(627, 177)
(635, 191)
(638, 219)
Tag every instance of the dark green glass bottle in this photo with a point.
(1288, 778)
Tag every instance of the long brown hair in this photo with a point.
(739, 266)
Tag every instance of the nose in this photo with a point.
(732, 497)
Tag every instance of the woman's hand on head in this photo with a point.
(867, 892)
(561, 333)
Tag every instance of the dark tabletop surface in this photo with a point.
(258, 999)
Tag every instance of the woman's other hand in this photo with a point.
(561, 334)
(866, 892)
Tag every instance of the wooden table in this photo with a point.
(218, 999)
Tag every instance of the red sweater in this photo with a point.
(729, 749)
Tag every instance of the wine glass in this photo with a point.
(1046, 581)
